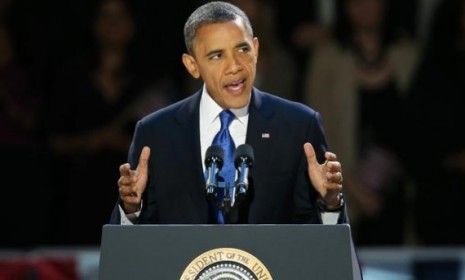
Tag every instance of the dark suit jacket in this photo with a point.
(280, 189)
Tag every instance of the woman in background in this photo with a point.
(358, 79)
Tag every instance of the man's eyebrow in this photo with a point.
(213, 52)
(242, 44)
(218, 51)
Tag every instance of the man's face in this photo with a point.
(225, 57)
(114, 26)
(365, 14)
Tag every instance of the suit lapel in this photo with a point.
(188, 119)
(259, 130)
(259, 136)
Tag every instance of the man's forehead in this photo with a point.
(219, 32)
(221, 24)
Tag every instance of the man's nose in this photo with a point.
(233, 65)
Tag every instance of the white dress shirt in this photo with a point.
(209, 125)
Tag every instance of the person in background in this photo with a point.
(359, 79)
(96, 100)
(300, 26)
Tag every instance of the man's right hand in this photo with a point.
(132, 183)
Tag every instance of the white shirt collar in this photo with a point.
(209, 109)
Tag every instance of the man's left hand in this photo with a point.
(326, 178)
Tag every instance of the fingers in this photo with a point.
(310, 154)
(333, 180)
(331, 163)
(127, 191)
(127, 180)
(330, 156)
(131, 183)
(144, 158)
(335, 177)
(334, 183)
(333, 166)
(327, 177)
(127, 176)
(125, 169)
(333, 187)
(131, 201)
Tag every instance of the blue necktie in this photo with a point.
(228, 172)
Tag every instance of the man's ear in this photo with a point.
(256, 46)
(191, 65)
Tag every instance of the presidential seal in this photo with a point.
(226, 263)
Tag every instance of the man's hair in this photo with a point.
(212, 12)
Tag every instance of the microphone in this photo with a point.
(214, 157)
(243, 160)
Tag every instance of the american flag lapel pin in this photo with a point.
(265, 135)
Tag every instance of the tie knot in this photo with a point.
(226, 118)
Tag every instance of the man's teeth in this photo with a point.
(235, 86)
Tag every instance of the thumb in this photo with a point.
(310, 154)
(143, 159)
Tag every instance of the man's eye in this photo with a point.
(244, 49)
(215, 56)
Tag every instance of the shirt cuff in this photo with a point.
(128, 219)
(330, 218)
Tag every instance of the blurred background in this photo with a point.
(386, 75)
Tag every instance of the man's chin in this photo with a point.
(239, 101)
(238, 104)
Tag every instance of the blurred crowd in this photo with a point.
(386, 76)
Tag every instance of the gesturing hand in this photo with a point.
(132, 183)
(326, 177)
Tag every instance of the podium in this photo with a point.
(265, 252)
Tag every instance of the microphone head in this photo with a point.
(243, 152)
(214, 152)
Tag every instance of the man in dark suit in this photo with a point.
(294, 178)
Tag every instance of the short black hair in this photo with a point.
(212, 12)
